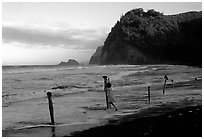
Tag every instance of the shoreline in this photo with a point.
(175, 119)
(181, 122)
(76, 116)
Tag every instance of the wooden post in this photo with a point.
(172, 81)
(49, 96)
(105, 86)
(149, 94)
(53, 131)
(164, 86)
(165, 79)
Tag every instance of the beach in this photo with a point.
(80, 108)
(181, 122)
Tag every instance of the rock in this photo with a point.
(153, 38)
(70, 62)
(96, 57)
(62, 63)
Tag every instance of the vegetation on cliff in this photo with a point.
(151, 37)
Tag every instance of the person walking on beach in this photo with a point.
(110, 95)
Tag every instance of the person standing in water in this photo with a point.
(110, 94)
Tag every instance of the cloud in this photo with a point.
(70, 38)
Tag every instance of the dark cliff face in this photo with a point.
(151, 37)
(96, 57)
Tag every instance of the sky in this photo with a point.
(46, 33)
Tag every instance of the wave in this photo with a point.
(68, 81)
(56, 92)
(79, 80)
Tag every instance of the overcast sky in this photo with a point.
(48, 33)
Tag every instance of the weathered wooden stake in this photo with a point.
(49, 96)
(165, 79)
(172, 81)
(105, 86)
(149, 94)
(164, 86)
(53, 131)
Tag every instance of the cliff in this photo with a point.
(70, 62)
(150, 37)
(96, 57)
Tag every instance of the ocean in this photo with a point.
(78, 95)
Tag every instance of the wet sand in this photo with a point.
(177, 113)
(168, 120)
(182, 122)
(175, 119)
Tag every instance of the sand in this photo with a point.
(181, 122)
(180, 116)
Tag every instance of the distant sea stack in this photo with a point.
(70, 62)
(96, 57)
(151, 38)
